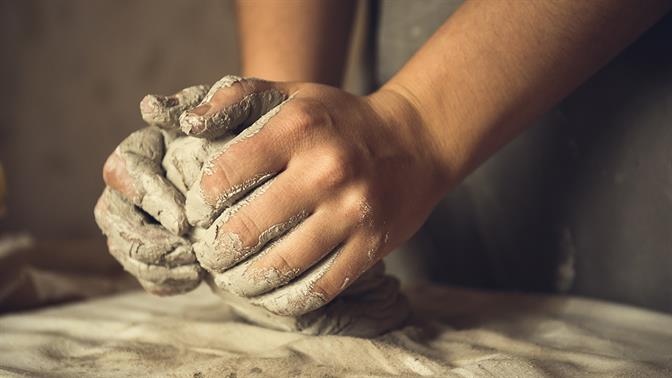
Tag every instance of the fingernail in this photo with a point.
(201, 110)
(192, 121)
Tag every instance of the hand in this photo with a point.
(317, 187)
(138, 195)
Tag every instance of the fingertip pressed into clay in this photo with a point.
(203, 207)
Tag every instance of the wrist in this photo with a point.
(400, 114)
(401, 108)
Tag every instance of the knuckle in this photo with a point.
(305, 115)
(282, 264)
(245, 227)
(353, 204)
(334, 169)
(147, 143)
(324, 289)
(301, 117)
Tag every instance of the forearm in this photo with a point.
(494, 66)
(298, 40)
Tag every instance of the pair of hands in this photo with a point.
(284, 193)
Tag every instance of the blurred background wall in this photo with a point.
(73, 73)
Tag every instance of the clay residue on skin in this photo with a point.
(184, 160)
(274, 232)
(299, 297)
(247, 280)
(345, 283)
(201, 208)
(237, 115)
(374, 242)
(215, 249)
(266, 279)
(219, 250)
(165, 111)
(145, 249)
(142, 153)
(366, 217)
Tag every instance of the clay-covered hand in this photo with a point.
(318, 186)
(141, 212)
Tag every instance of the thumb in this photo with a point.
(231, 104)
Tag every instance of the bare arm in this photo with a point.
(295, 40)
(496, 65)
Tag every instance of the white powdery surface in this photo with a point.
(456, 333)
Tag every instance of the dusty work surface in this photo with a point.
(461, 333)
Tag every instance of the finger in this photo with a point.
(184, 160)
(243, 229)
(249, 159)
(134, 170)
(165, 111)
(144, 249)
(286, 258)
(298, 297)
(320, 284)
(142, 240)
(231, 104)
